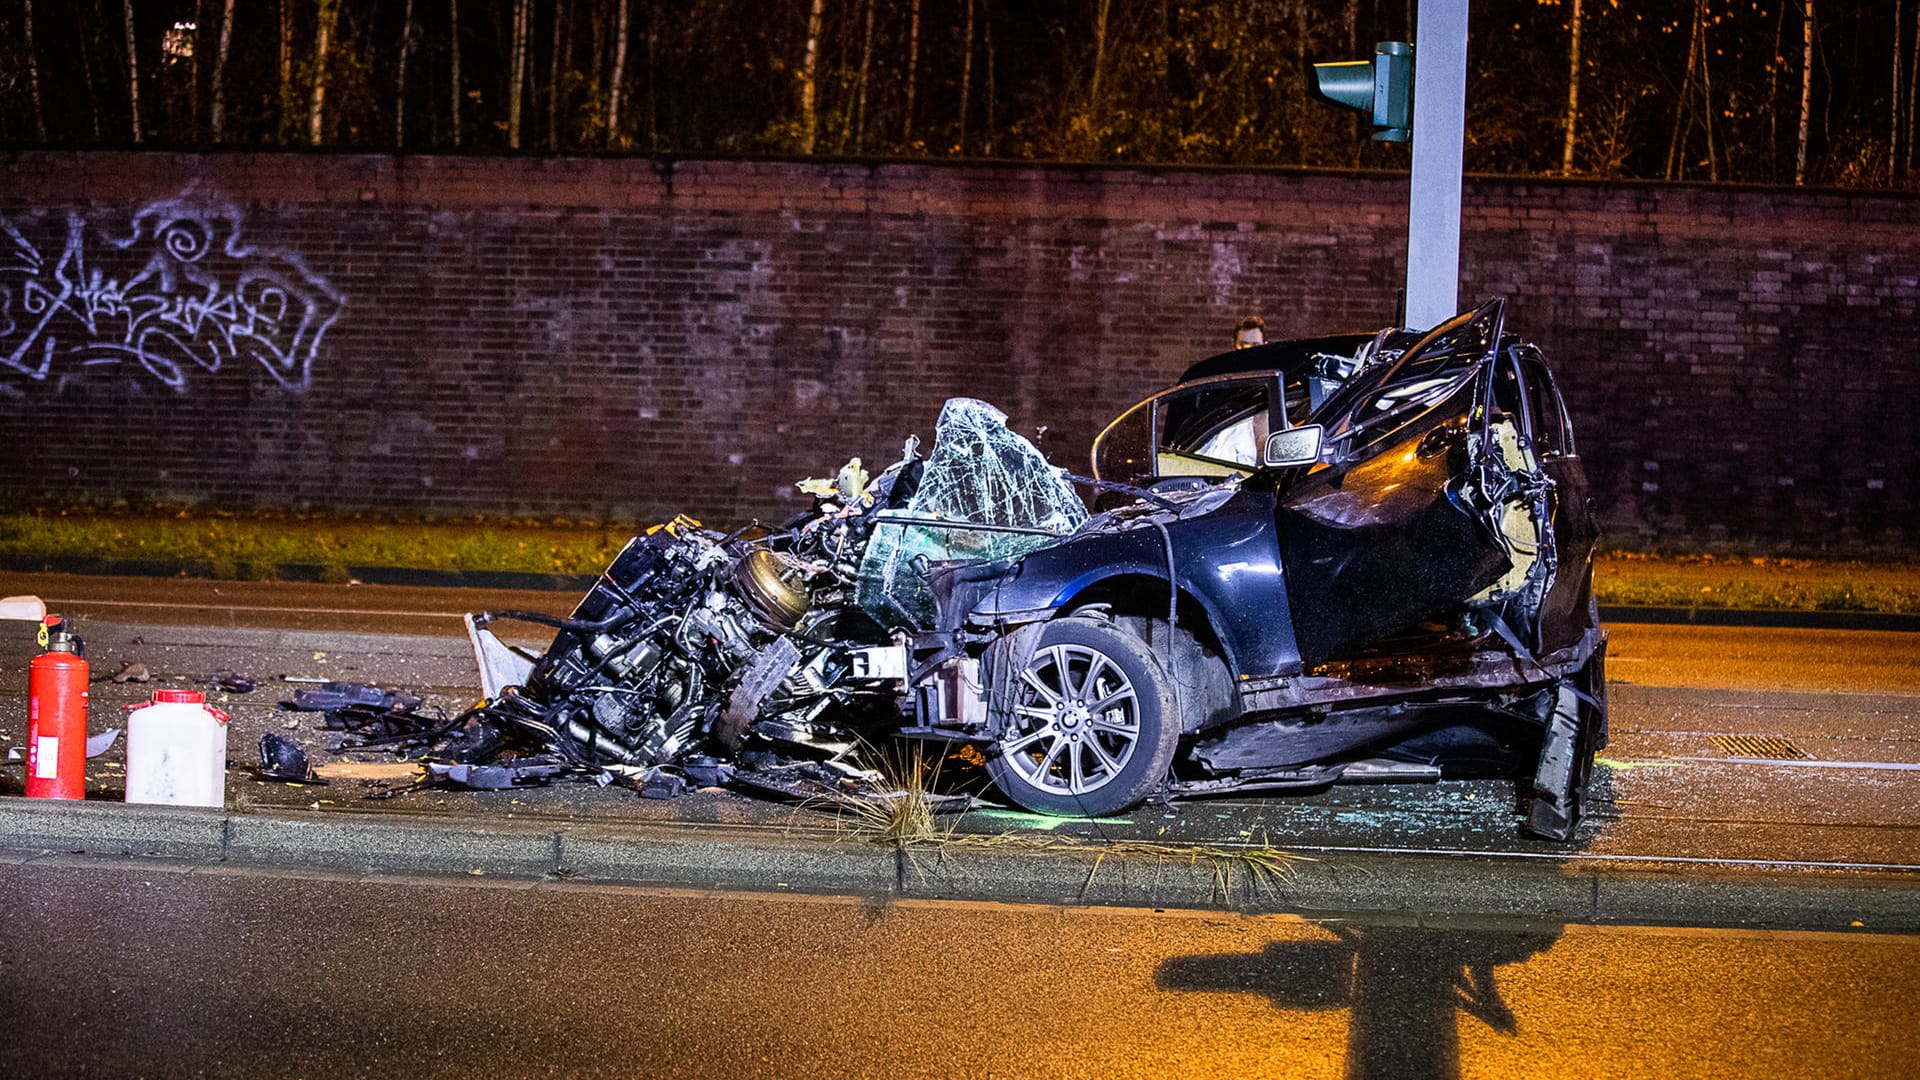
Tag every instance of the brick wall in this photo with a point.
(624, 338)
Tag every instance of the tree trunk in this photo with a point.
(324, 22)
(1573, 95)
(286, 113)
(1773, 96)
(1806, 93)
(453, 43)
(133, 72)
(86, 68)
(1913, 80)
(619, 74)
(809, 76)
(913, 71)
(219, 117)
(400, 78)
(986, 25)
(1896, 135)
(966, 79)
(1088, 137)
(560, 21)
(653, 69)
(1682, 119)
(519, 72)
(193, 70)
(33, 80)
(866, 68)
(1706, 105)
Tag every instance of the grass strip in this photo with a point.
(252, 546)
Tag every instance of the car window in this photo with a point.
(1214, 431)
(1385, 407)
(1551, 434)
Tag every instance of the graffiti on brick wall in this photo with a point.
(173, 293)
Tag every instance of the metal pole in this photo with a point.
(1439, 133)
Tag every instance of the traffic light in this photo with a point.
(1382, 87)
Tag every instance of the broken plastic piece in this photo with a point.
(339, 695)
(280, 759)
(661, 784)
(101, 743)
(499, 777)
(501, 665)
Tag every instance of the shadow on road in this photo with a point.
(1404, 985)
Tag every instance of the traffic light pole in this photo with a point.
(1439, 127)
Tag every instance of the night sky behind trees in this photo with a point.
(1765, 91)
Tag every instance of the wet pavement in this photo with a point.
(154, 969)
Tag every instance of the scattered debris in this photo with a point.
(101, 743)
(132, 673)
(280, 759)
(234, 684)
(369, 770)
(341, 695)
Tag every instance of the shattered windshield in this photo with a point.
(979, 473)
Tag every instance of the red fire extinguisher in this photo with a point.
(57, 715)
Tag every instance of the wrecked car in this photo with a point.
(1348, 559)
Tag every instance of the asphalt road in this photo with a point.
(151, 970)
(1835, 786)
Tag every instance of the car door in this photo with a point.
(1388, 530)
(1565, 613)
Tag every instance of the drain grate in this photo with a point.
(1759, 746)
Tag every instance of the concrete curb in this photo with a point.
(1759, 617)
(744, 858)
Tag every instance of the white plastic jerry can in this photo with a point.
(177, 751)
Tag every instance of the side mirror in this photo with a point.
(1294, 446)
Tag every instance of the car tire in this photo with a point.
(1090, 727)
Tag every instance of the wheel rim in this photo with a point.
(1075, 723)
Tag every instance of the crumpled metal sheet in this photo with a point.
(979, 472)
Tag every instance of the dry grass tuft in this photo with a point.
(905, 813)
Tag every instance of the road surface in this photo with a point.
(131, 969)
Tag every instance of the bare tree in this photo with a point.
(133, 71)
(453, 78)
(400, 78)
(1913, 99)
(86, 68)
(286, 67)
(1806, 92)
(219, 117)
(33, 79)
(561, 9)
(866, 69)
(329, 16)
(1573, 94)
(1682, 118)
(966, 78)
(522, 14)
(809, 79)
(913, 71)
(1897, 140)
(619, 75)
(1089, 137)
(986, 24)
